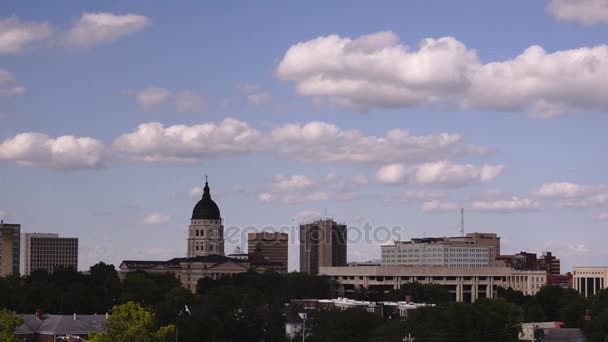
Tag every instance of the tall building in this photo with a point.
(206, 232)
(10, 245)
(530, 261)
(443, 252)
(322, 244)
(47, 251)
(271, 245)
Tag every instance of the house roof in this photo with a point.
(61, 324)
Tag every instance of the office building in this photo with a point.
(588, 281)
(272, 246)
(444, 252)
(466, 284)
(206, 231)
(490, 240)
(47, 251)
(10, 245)
(322, 244)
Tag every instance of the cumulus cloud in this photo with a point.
(588, 12)
(312, 142)
(151, 97)
(603, 216)
(157, 219)
(442, 173)
(574, 195)
(505, 204)
(377, 71)
(187, 101)
(16, 36)
(154, 142)
(415, 196)
(255, 95)
(8, 86)
(299, 188)
(155, 252)
(511, 204)
(98, 28)
(307, 215)
(65, 152)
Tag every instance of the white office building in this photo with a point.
(588, 281)
(444, 252)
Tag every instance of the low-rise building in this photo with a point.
(530, 261)
(42, 327)
(189, 270)
(590, 280)
(48, 251)
(466, 284)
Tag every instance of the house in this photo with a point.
(40, 327)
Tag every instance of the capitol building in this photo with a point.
(205, 251)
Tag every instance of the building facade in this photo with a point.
(322, 244)
(444, 252)
(588, 281)
(272, 246)
(206, 231)
(466, 284)
(490, 240)
(47, 251)
(10, 245)
(531, 261)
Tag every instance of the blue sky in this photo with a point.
(401, 113)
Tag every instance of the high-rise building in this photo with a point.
(47, 251)
(444, 252)
(271, 245)
(10, 245)
(322, 244)
(529, 261)
(206, 232)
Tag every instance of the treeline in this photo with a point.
(249, 307)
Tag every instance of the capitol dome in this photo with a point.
(206, 209)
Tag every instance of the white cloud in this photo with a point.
(511, 204)
(579, 249)
(563, 190)
(157, 219)
(237, 188)
(442, 173)
(392, 174)
(377, 71)
(65, 152)
(187, 101)
(7, 84)
(196, 192)
(285, 183)
(588, 12)
(151, 97)
(307, 215)
(411, 196)
(312, 142)
(432, 206)
(299, 188)
(603, 216)
(574, 195)
(16, 36)
(153, 142)
(155, 252)
(98, 28)
(254, 94)
(2, 214)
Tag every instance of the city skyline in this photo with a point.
(112, 113)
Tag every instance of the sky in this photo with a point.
(391, 116)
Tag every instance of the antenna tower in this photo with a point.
(462, 221)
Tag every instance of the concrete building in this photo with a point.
(322, 244)
(272, 246)
(47, 251)
(10, 236)
(466, 284)
(206, 231)
(445, 252)
(490, 240)
(590, 280)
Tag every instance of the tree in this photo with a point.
(9, 320)
(348, 325)
(131, 322)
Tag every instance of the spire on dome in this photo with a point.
(206, 193)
